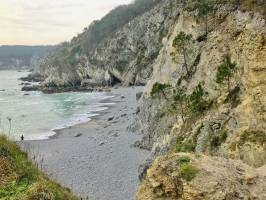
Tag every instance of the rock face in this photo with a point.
(126, 56)
(214, 179)
(215, 119)
(233, 125)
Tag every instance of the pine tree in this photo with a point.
(182, 43)
(225, 71)
(205, 8)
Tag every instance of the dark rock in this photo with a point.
(101, 143)
(139, 95)
(78, 135)
(30, 88)
(26, 84)
(111, 118)
(33, 78)
(215, 126)
(143, 169)
(123, 97)
(115, 135)
(138, 110)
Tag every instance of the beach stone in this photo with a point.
(78, 135)
(101, 143)
(111, 118)
(115, 135)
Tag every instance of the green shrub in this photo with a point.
(197, 101)
(159, 88)
(225, 71)
(233, 97)
(257, 137)
(185, 146)
(219, 139)
(180, 100)
(182, 43)
(188, 172)
(183, 160)
(204, 9)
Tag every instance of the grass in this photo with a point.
(187, 171)
(182, 160)
(20, 179)
(219, 139)
(158, 88)
(185, 146)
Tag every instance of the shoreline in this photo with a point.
(96, 159)
(97, 115)
(53, 133)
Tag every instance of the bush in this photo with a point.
(233, 97)
(188, 172)
(159, 88)
(183, 160)
(225, 71)
(198, 104)
(219, 139)
(185, 146)
(182, 43)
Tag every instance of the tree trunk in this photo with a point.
(228, 82)
(206, 24)
(185, 61)
(182, 112)
(164, 95)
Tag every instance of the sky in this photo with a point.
(43, 22)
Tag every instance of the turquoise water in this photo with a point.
(36, 115)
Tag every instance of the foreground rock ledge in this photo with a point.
(216, 179)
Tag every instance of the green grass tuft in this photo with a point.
(185, 146)
(183, 160)
(188, 172)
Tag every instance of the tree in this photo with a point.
(182, 43)
(225, 71)
(180, 98)
(205, 7)
(197, 100)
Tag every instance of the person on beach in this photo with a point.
(22, 137)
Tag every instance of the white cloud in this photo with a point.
(49, 21)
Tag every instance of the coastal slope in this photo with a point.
(21, 180)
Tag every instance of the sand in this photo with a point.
(96, 159)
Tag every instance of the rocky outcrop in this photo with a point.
(189, 177)
(128, 54)
(233, 125)
(184, 108)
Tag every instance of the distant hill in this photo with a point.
(19, 57)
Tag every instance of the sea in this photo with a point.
(36, 116)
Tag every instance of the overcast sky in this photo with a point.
(33, 22)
